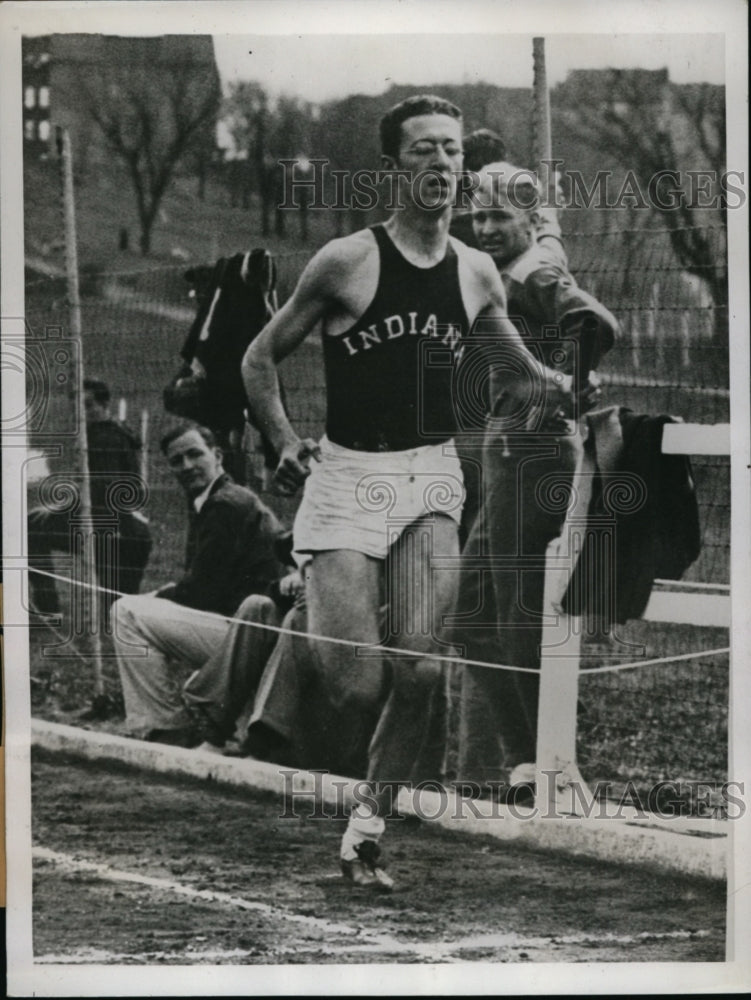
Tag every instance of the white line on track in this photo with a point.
(107, 873)
(364, 942)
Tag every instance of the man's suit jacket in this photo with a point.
(230, 550)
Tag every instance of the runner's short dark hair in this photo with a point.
(422, 104)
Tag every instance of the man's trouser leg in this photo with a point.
(289, 710)
(292, 703)
(134, 548)
(533, 484)
(148, 633)
(48, 532)
(277, 703)
(526, 489)
(469, 449)
(120, 561)
(221, 688)
(480, 751)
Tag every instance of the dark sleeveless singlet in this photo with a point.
(390, 376)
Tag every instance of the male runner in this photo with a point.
(383, 488)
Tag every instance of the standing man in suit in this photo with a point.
(526, 457)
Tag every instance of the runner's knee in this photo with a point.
(357, 690)
(122, 607)
(417, 674)
(125, 613)
(256, 608)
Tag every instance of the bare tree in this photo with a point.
(673, 139)
(264, 134)
(249, 120)
(242, 110)
(151, 117)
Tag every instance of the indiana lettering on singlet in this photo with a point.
(390, 376)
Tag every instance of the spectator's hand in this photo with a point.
(588, 396)
(291, 585)
(294, 465)
(558, 402)
(541, 400)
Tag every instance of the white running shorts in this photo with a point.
(363, 500)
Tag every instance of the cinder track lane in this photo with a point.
(149, 869)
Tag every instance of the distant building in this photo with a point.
(59, 69)
(36, 93)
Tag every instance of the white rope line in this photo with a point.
(375, 647)
(692, 584)
(303, 635)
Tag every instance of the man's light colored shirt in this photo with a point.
(201, 499)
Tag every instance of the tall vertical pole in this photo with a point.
(542, 139)
(84, 538)
(145, 446)
(560, 644)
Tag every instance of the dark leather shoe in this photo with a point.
(364, 870)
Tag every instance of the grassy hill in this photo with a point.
(187, 229)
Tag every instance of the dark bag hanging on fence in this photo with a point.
(236, 298)
(185, 396)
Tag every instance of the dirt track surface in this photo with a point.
(135, 868)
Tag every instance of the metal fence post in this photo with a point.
(88, 611)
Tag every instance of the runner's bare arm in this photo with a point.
(285, 332)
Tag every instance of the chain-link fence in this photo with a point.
(672, 357)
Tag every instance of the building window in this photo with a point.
(44, 97)
(29, 97)
(44, 129)
(29, 132)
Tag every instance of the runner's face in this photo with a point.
(194, 464)
(432, 143)
(504, 231)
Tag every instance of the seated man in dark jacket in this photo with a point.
(230, 554)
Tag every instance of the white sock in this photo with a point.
(363, 825)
